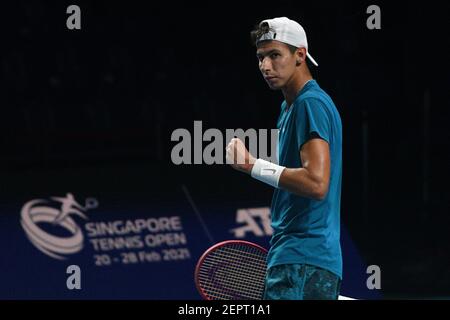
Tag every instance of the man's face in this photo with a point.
(276, 62)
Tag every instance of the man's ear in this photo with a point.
(300, 55)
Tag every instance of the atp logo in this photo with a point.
(255, 220)
(37, 213)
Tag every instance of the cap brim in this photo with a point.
(312, 59)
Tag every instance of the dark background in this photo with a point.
(98, 106)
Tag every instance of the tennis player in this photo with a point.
(305, 260)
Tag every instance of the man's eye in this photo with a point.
(274, 55)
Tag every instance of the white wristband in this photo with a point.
(267, 172)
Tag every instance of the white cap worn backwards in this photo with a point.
(286, 31)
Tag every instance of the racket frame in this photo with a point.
(213, 248)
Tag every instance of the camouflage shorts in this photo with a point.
(301, 282)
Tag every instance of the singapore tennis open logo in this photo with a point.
(40, 222)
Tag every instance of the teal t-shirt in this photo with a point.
(307, 230)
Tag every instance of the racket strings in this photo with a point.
(247, 272)
(250, 283)
(250, 255)
(233, 258)
(238, 293)
(234, 272)
(226, 287)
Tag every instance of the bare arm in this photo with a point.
(313, 179)
(310, 181)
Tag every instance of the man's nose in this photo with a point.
(265, 65)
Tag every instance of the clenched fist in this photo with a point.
(238, 156)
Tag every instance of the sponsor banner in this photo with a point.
(71, 246)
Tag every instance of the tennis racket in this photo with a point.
(232, 270)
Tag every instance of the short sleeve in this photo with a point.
(312, 120)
